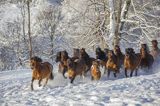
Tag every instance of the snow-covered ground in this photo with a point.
(136, 91)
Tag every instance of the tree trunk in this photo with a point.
(124, 13)
(112, 23)
(29, 30)
(117, 33)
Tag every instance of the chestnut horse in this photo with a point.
(40, 70)
(146, 58)
(95, 70)
(112, 63)
(131, 61)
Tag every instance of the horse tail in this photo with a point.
(50, 66)
(51, 76)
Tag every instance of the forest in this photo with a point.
(44, 27)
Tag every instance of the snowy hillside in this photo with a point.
(44, 27)
(142, 90)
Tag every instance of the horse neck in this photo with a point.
(113, 58)
(144, 56)
(38, 66)
(64, 59)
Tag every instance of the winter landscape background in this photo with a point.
(66, 24)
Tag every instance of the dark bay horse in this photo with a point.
(62, 57)
(146, 58)
(40, 70)
(88, 60)
(75, 67)
(102, 56)
(119, 54)
(131, 61)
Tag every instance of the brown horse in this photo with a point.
(75, 67)
(112, 63)
(102, 57)
(62, 57)
(95, 70)
(131, 61)
(40, 70)
(88, 60)
(146, 58)
(119, 54)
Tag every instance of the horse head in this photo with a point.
(129, 52)
(58, 57)
(117, 50)
(76, 52)
(34, 61)
(64, 55)
(143, 52)
(96, 65)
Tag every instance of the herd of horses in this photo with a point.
(81, 63)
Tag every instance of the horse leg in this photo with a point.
(136, 72)
(131, 73)
(88, 69)
(126, 72)
(83, 74)
(92, 78)
(108, 73)
(64, 71)
(32, 84)
(115, 74)
(72, 79)
(104, 70)
(46, 82)
(40, 82)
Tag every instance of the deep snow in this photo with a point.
(136, 91)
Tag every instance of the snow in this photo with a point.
(136, 91)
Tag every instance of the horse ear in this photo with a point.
(83, 49)
(38, 59)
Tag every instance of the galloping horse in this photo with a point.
(95, 70)
(75, 67)
(102, 56)
(131, 61)
(88, 60)
(119, 54)
(112, 63)
(146, 58)
(62, 57)
(40, 70)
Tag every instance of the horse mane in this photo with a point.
(145, 47)
(129, 51)
(100, 54)
(76, 52)
(114, 57)
(36, 58)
